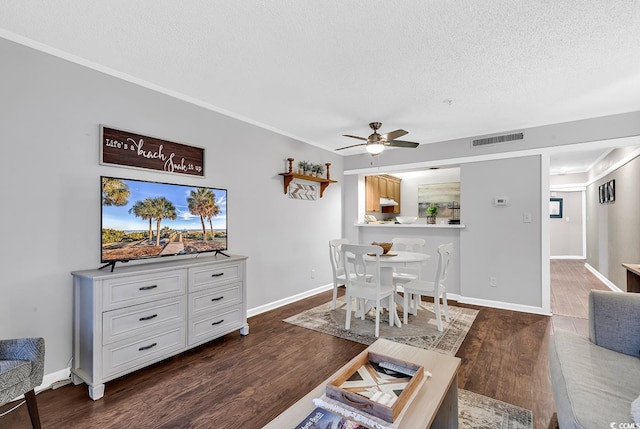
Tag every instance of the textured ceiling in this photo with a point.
(316, 70)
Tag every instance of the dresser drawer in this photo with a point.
(131, 290)
(124, 356)
(206, 277)
(205, 328)
(209, 300)
(131, 321)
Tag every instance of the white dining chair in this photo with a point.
(337, 265)
(415, 289)
(363, 282)
(402, 275)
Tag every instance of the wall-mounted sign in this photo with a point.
(128, 149)
(303, 191)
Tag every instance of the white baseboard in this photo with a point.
(602, 278)
(568, 257)
(49, 379)
(277, 304)
(504, 305)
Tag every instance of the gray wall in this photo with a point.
(49, 128)
(613, 230)
(567, 239)
(496, 242)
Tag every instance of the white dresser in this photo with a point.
(137, 315)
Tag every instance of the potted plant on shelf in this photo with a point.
(318, 169)
(432, 212)
(304, 167)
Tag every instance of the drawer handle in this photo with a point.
(217, 299)
(217, 274)
(148, 317)
(148, 287)
(147, 347)
(217, 323)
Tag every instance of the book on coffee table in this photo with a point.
(320, 418)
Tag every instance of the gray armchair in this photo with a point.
(595, 379)
(21, 371)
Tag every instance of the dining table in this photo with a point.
(389, 261)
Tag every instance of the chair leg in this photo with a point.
(335, 294)
(436, 306)
(446, 307)
(347, 323)
(405, 307)
(377, 318)
(415, 303)
(32, 406)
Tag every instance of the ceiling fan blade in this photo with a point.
(353, 145)
(401, 143)
(393, 135)
(355, 137)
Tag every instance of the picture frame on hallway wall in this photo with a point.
(555, 208)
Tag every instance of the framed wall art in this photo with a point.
(607, 192)
(555, 208)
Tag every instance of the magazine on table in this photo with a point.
(323, 419)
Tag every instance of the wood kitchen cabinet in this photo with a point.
(372, 193)
(393, 190)
(382, 186)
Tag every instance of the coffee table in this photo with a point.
(434, 405)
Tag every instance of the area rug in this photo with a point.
(421, 331)
(481, 412)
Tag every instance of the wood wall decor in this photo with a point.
(128, 149)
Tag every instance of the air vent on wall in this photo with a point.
(498, 139)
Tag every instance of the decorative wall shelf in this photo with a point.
(288, 177)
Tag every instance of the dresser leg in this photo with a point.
(244, 330)
(96, 392)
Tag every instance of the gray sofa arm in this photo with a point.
(29, 349)
(614, 321)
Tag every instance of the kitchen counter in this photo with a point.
(410, 225)
(433, 235)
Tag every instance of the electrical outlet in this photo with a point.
(493, 282)
(313, 274)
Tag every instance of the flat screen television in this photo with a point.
(143, 219)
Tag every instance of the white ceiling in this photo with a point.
(316, 70)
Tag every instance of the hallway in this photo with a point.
(570, 286)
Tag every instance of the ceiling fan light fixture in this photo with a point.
(375, 149)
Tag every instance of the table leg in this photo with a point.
(447, 416)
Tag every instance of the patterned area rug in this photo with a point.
(421, 331)
(481, 412)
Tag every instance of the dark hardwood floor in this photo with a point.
(244, 382)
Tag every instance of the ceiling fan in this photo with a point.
(376, 143)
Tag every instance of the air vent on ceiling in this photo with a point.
(498, 139)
